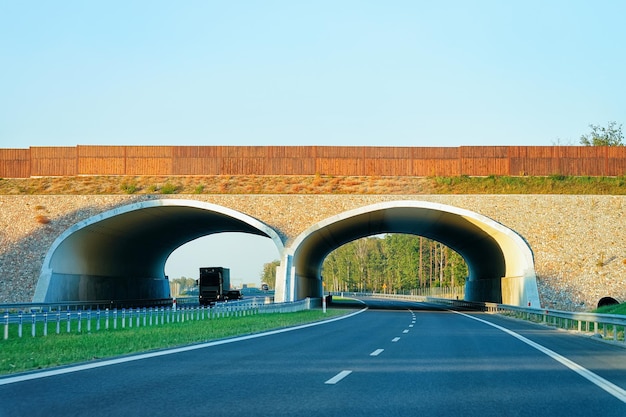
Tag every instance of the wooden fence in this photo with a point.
(312, 160)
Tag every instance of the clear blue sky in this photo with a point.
(376, 73)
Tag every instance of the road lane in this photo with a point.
(445, 364)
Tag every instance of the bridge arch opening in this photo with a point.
(121, 254)
(500, 262)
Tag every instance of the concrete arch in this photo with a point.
(500, 262)
(120, 254)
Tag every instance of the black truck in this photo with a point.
(214, 285)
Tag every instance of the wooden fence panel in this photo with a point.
(310, 160)
(101, 160)
(435, 167)
(290, 166)
(616, 160)
(340, 166)
(335, 152)
(53, 161)
(148, 166)
(196, 166)
(433, 153)
(14, 163)
(388, 167)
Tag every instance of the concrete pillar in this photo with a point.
(483, 290)
(520, 291)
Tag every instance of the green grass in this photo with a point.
(613, 309)
(31, 353)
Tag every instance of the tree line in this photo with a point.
(393, 263)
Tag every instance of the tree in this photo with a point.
(603, 136)
(268, 275)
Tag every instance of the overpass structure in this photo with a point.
(568, 248)
(120, 254)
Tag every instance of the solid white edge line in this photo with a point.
(377, 352)
(108, 362)
(607, 386)
(341, 375)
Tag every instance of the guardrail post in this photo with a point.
(19, 327)
(6, 326)
(89, 321)
(98, 319)
(69, 320)
(124, 318)
(80, 321)
(45, 323)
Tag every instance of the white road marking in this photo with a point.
(608, 386)
(99, 364)
(410, 325)
(341, 375)
(377, 352)
(395, 339)
(405, 331)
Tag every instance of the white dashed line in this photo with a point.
(405, 331)
(395, 339)
(341, 375)
(377, 352)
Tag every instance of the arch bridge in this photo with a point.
(121, 253)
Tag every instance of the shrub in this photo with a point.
(169, 188)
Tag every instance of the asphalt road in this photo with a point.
(400, 359)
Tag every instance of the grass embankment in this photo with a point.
(312, 184)
(32, 353)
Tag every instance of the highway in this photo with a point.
(395, 359)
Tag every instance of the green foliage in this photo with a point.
(169, 188)
(129, 187)
(268, 275)
(393, 263)
(199, 189)
(611, 135)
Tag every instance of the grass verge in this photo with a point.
(32, 353)
(612, 309)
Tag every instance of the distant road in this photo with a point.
(395, 359)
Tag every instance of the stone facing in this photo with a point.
(579, 242)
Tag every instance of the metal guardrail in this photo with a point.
(608, 326)
(84, 305)
(40, 319)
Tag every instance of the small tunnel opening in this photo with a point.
(607, 301)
